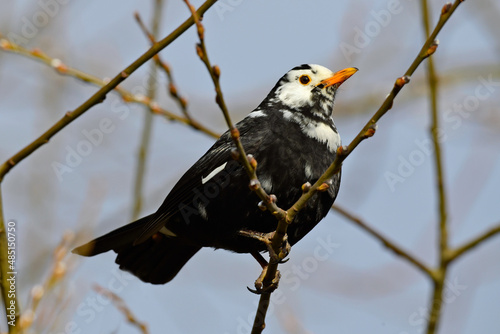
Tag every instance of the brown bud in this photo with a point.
(432, 48)
(155, 107)
(235, 133)
(262, 206)
(446, 8)
(323, 187)
(235, 154)
(370, 131)
(37, 52)
(306, 187)
(254, 184)
(401, 81)
(199, 51)
(26, 319)
(37, 292)
(5, 44)
(272, 198)
(252, 161)
(342, 150)
(59, 270)
(172, 89)
(216, 70)
(59, 65)
(127, 98)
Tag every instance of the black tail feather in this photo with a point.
(156, 260)
(114, 240)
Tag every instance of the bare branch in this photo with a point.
(459, 251)
(435, 302)
(172, 87)
(123, 308)
(126, 95)
(386, 242)
(148, 120)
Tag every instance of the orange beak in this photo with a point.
(338, 78)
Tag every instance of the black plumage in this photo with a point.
(294, 139)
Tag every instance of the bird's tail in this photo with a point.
(156, 260)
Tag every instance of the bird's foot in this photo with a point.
(266, 238)
(269, 286)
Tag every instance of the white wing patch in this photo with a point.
(257, 113)
(266, 183)
(324, 134)
(213, 173)
(203, 211)
(167, 232)
(308, 171)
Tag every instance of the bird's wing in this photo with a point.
(251, 132)
(182, 192)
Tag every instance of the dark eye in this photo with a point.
(304, 79)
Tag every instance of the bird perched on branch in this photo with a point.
(292, 136)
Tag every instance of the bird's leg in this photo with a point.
(266, 238)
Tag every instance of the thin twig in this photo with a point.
(250, 165)
(58, 272)
(453, 254)
(386, 242)
(172, 87)
(126, 95)
(148, 120)
(368, 130)
(122, 307)
(438, 282)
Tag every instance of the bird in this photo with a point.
(292, 136)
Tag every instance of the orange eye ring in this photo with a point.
(304, 79)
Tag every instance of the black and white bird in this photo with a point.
(294, 139)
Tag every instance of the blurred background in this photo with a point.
(356, 285)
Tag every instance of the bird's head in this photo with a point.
(308, 88)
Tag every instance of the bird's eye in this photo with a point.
(304, 79)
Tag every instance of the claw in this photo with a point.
(284, 250)
(253, 291)
(259, 283)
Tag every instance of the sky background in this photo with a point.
(358, 286)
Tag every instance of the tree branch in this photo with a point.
(438, 286)
(122, 307)
(148, 119)
(386, 242)
(453, 254)
(172, 87)
(126, 95)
